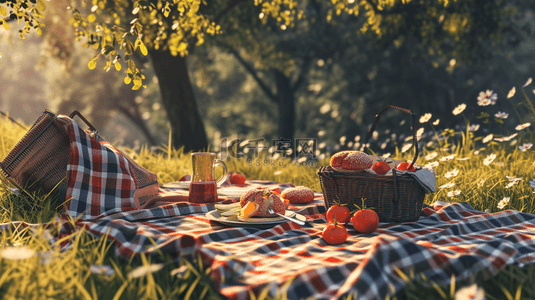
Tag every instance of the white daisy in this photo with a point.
(463, 158)
(431, 165)
(454, 193)
(508, 138)
(447, 185)
(501, 115)
(425, 118)
(488, 138)
(145, 270)
(451, 173)
(17, 253)
(503, 202)
(459, 109)
(476, 152)
(405, 148)
(102, 270)
(510, 184)
(473, 127)
(488, 95)
(489, 159)
(431, 155)
(522, 126)
(436, 122)
(277, 173)
(511, 178)
(528, 82)
(525, 146)
(511, 93)
(472, 292)
(501, 139)
(447, 158)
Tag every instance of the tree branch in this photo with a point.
(253, 73)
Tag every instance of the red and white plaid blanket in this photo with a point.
(453, 239)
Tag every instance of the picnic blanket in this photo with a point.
(447, 239)
(451, 239)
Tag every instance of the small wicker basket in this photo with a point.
(396, 198)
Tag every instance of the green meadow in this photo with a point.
(489, 170)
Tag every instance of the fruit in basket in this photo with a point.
(341, 213)
(381, 167)
(298, 195)
(334, 233)
(338, 158)
(237, 178)
(357, 160)
(265, 199)
(365, 220)
(403, 166)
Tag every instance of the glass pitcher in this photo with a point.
(203, 187)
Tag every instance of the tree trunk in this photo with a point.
(179, 101)
(286, 99)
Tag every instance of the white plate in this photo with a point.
(261, 223)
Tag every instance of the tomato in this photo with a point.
(404, 165)
(381, 167)
(342, 214)
(365, 221)
(334, 233)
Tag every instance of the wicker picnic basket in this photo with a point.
(396, 198)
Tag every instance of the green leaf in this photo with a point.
(107, 49)
(92, 64)
(4, 23)
(41, 5)
(117, 66)
(3, 11)
(143, 48)
(91, 18)
(127, 80)
(166, 10)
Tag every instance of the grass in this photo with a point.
(90, 270)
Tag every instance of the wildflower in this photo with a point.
(522, 126)
(501, 115)
(17, 253)
(321, 133)
(277, 173)
(499, 139)
(145, 270)
(459, 109)
(488, 138)
(527, 82)
(488, 95)
(447, 185)
(476, 152)
(463, 158)
(472, 292)
(490, 158)
(451, 173)
(425, 118)
(454, 193)
(510, 184)
(436, 122)
(473, 127)
(447, 158)
(484, 102)
(525, 146)
(508, 138)
(431, 165)
(503, 202)
(431, 155)
(386, 155)
(511, 93)
(405, 148)
(419, 133)
(511, 178)
(102, 270)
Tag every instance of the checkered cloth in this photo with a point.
(451, 239)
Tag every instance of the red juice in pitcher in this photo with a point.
(203, 192)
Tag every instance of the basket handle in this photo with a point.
(414, 140)
(77, 113)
